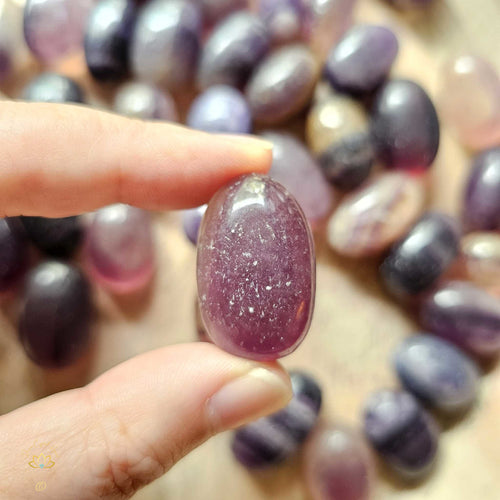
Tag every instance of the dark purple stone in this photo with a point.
(437, 372)
(466, 315)
(54, 324)
(416, 262)
(482, 194)
(56, 237)
(401, 431)
(107, 39)
(52, 87)
(284, 19)
(232, 51)
(405, 126)
(271, 440)
(191, 221)
(13, 252)
(362, 59)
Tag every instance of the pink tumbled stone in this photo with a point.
(119, 249)
(256, 269)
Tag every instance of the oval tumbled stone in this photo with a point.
(256, 269)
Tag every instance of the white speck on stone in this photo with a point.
(251, 309)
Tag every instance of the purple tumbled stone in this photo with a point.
(401, 431)
(362, 59)
(482, 193)
(437, 373)
(405, 126)
(13, 252)
(166, 43)
(53, 87)
(295, 168)
(271, 440)
(220, 109)
(284, 19)
(120, 248)
(232, 51)
(191, 221)
(466, 315)
(256, 269)
(54, 323)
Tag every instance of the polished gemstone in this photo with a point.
(220, 109)
(232, 51)
(256, 269)
(214, 10)
(145, 101)
(271, 440)
(405, 126)
(437, 373)
(482, 192)
(282, 84)
(481, 252)
(120, 248)
(338, 464)
(469, 100)
(55, 318)
(13, 252)
(191, 221)
(401, 431)
(53, 87)
(166, 43)
(466, 315)
(295, 168)
(370, 219)
(417, 261)
(284, 19)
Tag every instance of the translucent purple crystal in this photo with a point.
(54, 324)
(482, 194)
(405, 126)
(465, 315)
(52, 87)
(13, 252)
(256, 269)
(271, 440)
(284, 19)
(362, 59)
(191, 221)
(220, 109)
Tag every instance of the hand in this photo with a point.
(129, 426)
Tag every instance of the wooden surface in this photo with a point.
(355, 326)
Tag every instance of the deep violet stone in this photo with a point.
(191, 221)
(405, 126)
(54, 324)
(52, 87)
(271, 440)
(284, 19)
(256, 269)
(437, 373)
(13, 252)
(362, 59)
(401, 432)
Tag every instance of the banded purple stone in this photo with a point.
(191, 222)
(13, 252)
(53, 87)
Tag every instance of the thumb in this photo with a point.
(130, 425)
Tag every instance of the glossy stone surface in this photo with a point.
(284, 19)
(332, 120)
(271, 440)
(53, 87)
(481, 252)
(295, 168)
(347, 163)
(107, 39)
(55, 237)
(13, 252)
(338, 464)
(282, 84)
(369, 220)
(191, 221)
(54, 28)
(214, 10)
(401, 431)
(405, 126)
(469, 100)
(437, 373)
(166, 43)
(220, 109)
(256, 269)
(362, 59)
(120, 248)
(145, 101)
(416, 262)
(55, 318)
(482, 192)
(466, 315)
(233, 50)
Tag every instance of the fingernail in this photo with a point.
(260, 392)
(248, 140)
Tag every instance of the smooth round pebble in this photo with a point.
(191, 221)
(13, 252)
(284, 19)
(53, 87)
(481, 252)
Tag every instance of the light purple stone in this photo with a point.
(362, 59)
(284, 18)
(191, 221)
(220, 109)
(295, 168)
(256, 269)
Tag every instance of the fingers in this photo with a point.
(58, 160)
(133, 423)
